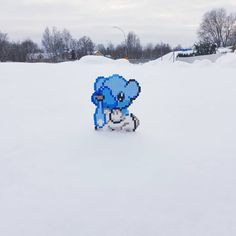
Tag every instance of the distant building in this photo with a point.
(67, 55)
(39, 57)
(108, 56)
(97, 53)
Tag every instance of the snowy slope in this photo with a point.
(174, 176)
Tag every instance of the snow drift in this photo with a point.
(174, 176)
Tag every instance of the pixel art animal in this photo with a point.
(112, 97)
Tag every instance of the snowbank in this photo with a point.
(91, 60)
(174, 176)
(224, 50)
(228, 60)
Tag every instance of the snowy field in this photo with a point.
(175, 176)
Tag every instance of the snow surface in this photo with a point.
(224, 50)
(174, 176)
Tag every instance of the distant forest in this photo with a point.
(217, 27)
(58, 43)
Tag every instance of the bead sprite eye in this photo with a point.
(121, 97)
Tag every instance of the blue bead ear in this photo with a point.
(99, 82)
(132, 89)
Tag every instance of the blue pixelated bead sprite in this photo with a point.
(99, 116)
(113, 93)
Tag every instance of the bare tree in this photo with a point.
(148, 51)
(120, 51)
(133, 46)
(101, 48)
(85, 46)
(15, 51)
(62, 46)
(67, 39)
(233, 37)
(4, 46)
(28, 47)
(59, 44)
(3, 37)
(18, 51)
(54, 43)
(217, 27)
(110, 50)
(47, 40)
(161, 49)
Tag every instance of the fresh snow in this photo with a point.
(175, 176)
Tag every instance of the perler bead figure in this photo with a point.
(112, 97)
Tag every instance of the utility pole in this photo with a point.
(125, 38)
(161, 51)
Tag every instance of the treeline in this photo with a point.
(217, 28)
(16, 51)
(60, 46)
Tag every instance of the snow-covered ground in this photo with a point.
(175, 176)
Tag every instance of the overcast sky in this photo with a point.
(173, 21)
